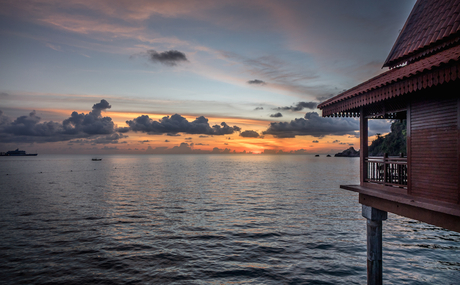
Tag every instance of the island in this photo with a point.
(351, 152)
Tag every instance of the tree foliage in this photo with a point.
(393, 143)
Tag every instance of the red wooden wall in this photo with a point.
(434, 147)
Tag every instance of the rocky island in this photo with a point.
(351, 152)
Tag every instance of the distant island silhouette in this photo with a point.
(351, 152)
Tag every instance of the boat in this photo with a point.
(17, 152)
(317, 155)
(328, 155)
(96, 159)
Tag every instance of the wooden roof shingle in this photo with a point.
(431, 26)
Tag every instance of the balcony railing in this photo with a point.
(390, 171)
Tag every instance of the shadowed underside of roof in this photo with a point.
(433, 25)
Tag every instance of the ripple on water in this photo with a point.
(203, 220)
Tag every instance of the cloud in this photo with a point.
(102, 105)
(277, 115)
(169, 58)
(314, 125)
(258, 108)
(249, 134)
(4, 95)
(315, 141)
(177, 124)
(256, 82)
(299, 106)
(29, 129)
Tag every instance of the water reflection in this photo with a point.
(203, 219)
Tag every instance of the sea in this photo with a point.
(202, 219)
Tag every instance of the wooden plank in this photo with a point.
(434, 179)
(438, 187)
(424, 108)
(458, 146)
(435, 120)
(409, 147)
(447, 113)
(413, 211)
(364, 145)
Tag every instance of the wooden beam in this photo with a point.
(363, 134)
(436, 218)
(408, 148)
(374, 243)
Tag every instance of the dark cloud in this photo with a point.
(314, 125)
(315, 141)
(108, 139)
(277, 115)
(169, 58)
(299, 106)
(258, 108)
(109, 148)
(123, 130)
(30, 129)
(249, 134)
(4, 94)
(177, 124)
(281, 74)
(166, 141)
(102, 105)
(256, 82)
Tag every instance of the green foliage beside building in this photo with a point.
(393, 143)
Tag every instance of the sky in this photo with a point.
(227, 76)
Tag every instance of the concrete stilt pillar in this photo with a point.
(374, 243)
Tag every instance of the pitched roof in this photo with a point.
(431, 26)
(430, 71)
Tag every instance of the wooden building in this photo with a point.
(421, 86)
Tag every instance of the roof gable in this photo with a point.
(431, 26)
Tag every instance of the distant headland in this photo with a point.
(17, 152)
(351, 152)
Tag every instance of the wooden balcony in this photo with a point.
(388, 171)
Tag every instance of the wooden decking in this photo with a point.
(391, 199)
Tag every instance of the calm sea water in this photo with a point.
(202, 219)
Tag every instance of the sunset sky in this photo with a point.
(116, 76)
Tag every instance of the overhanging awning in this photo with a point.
(431, 71)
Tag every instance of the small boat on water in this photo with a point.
(17, 152)
(328, 155)
(96, 159)
(317, 155)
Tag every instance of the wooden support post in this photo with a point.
(385, 169)
(363, 133)
(374, 243)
